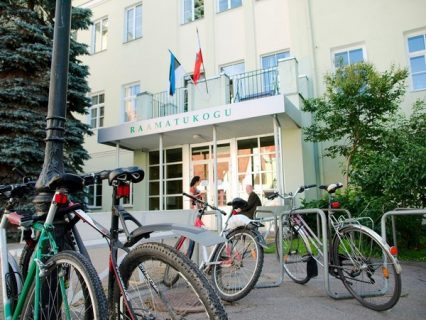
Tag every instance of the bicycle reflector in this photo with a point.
(335, 204)
(393, 250)
(61, 198)
(123, 190)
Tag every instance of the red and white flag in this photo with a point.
(198, 62)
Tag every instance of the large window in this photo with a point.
(93, 195)
(172, 179)
(256, 164)
(99, 35)
(192, 10)
(346, 57)
(133, 20)
(97, 110)
(269, 73)
(231, 71)
(228, 4)
(130, 96)
(417, 57)
(271, 60)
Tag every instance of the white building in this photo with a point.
(243, 124)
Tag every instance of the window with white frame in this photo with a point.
(192, 10)
(172, 179)
(232, 71)
(130, 99)
(224, 5)
(270, 73)
(417, 58)
(97, 110)
(346, 57)
(99, 35)
(133, 22)
(93, 195)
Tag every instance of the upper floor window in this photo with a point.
(99, 35)
(192, 10)
(228, 4)
(271, 60)
(97, 111)
(346, 57)
(233, 69)
(417, 57)
(130, 100)
(133, 19)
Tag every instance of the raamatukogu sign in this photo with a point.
(202, 117)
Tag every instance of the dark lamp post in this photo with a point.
(53, 161)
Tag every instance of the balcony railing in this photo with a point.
(254, 85)
(222, 90)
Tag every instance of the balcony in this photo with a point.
(223, 90)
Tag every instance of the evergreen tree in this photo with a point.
(26, 39)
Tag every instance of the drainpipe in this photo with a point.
(218, 214)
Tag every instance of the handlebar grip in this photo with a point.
(5, 188)
(272, 196)
(310, 186)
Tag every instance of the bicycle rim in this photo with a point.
(190, 297)
(364, 266)
(68, 290)
(237, 265)
(296, 254)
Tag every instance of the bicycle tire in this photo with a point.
(191, 296)
(226, 275)
(365, 267)
(88, 290)
(11, 287)
(296, 253)
(186, 246)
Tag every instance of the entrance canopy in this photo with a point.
(246, 118)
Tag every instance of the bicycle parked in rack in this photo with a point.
(136, 288)
(358, 256)
(234, 265)
(59, 285)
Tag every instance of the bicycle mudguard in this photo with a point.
(202, 236)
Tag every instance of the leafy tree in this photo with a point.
(26, 35)
(358, 104)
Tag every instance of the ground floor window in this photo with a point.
(172, 179)
(93, 195)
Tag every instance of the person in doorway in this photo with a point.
(252, 203)
(193, 189)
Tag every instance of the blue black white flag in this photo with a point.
(176, 72)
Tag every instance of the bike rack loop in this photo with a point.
(398, 212)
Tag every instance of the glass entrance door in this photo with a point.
(203, 164)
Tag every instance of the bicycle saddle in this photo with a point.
(237, 203)
(71, 182)
(130, 174)
(332, 187)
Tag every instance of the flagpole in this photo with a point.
(202, 62)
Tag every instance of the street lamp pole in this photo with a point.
(53, 161)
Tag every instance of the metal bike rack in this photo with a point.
(398, 212)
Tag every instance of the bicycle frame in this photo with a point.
(36, 265)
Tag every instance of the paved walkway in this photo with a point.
(310, 301)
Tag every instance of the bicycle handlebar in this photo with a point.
(204, 203)
(94, 177)
(291, 195)
(16, 188)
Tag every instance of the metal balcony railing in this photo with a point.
(254, 85)
(164, 104)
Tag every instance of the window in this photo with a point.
(130, 100)
(94, 196)
(228, 4)
(344, 58)
(270, 74)
(99, 35)
(256, 164)
(271, 61)
(133, 20)
(97, 111)
(192, 10)
(417, 57)
(172, 179)
(232, 71)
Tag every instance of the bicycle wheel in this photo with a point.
(12, 279)
(142, 271)
(296, 253)
(186, 246)
(237, 264)
(83, 291)
(365, 267)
